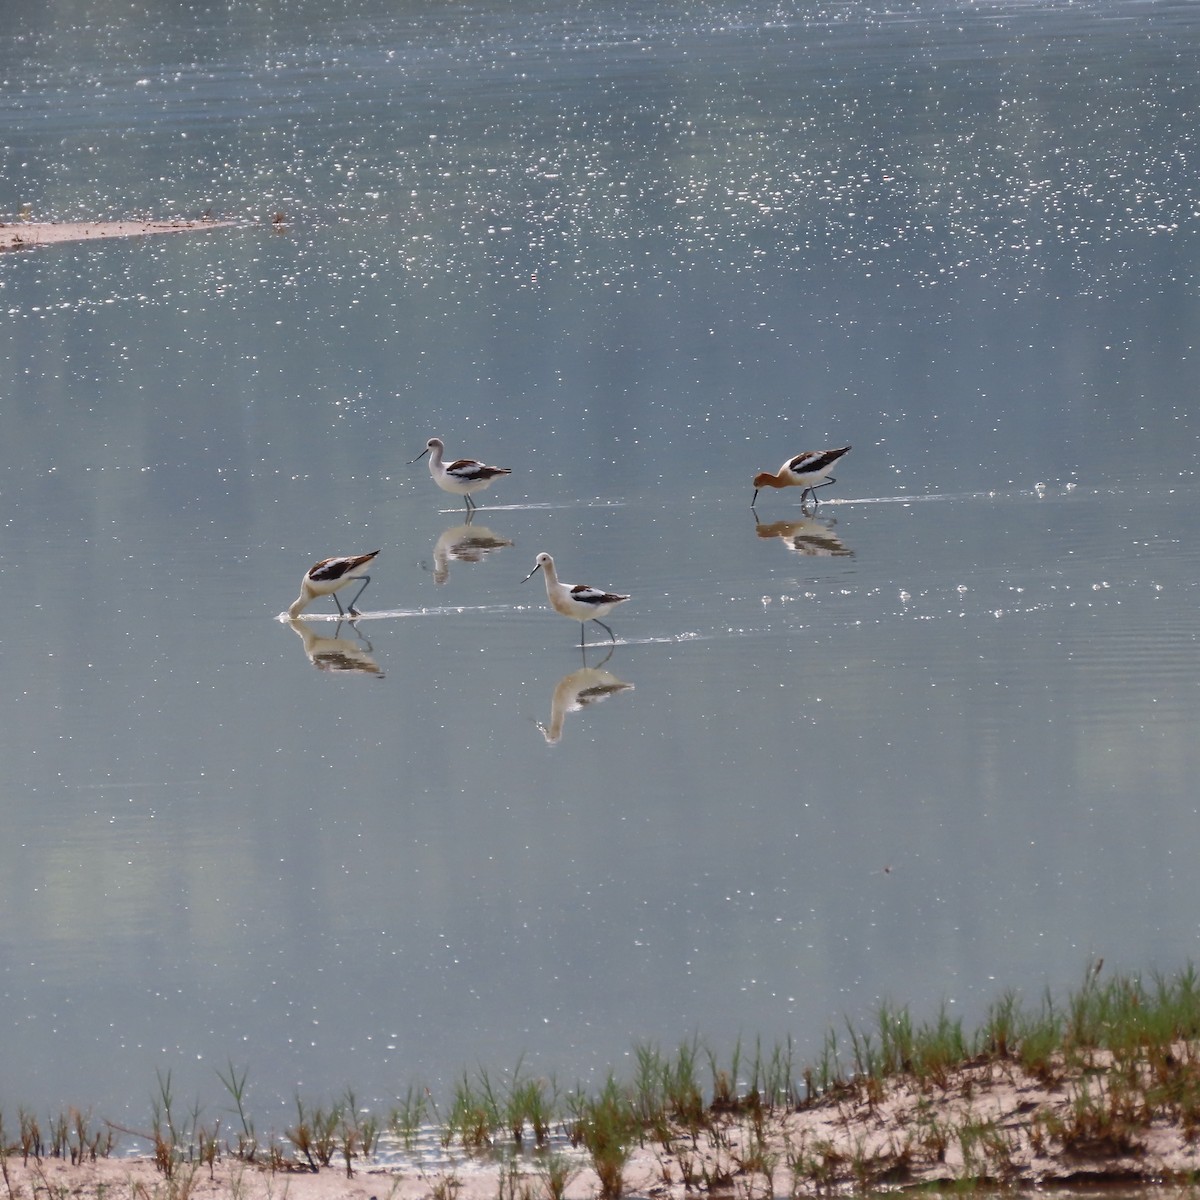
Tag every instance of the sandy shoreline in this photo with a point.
(989, 1123)
(26, 235)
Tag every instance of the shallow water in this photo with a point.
(934, 740)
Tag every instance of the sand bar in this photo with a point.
(25, 235)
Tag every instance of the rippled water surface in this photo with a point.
(934, 738)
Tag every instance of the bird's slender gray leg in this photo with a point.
(813, 490)
(353, 611)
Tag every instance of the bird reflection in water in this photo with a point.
(468, 543)
(810, 537)
(578, 690)
(337, 653)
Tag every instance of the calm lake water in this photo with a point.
(937, 739)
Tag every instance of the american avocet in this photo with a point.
(329, 576)
(808, 471)
(576, 600)
(461, 477)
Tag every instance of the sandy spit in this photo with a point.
(26, 235)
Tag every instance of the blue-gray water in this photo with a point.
(937, 740)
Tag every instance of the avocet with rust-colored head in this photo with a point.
(809, 471)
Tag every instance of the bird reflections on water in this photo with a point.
(465, 543)
(337, 654)
(577, 690)
(810, 537)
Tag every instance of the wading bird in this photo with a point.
(576, 600)
(329, 576)
(809, 471)
(461, 477)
